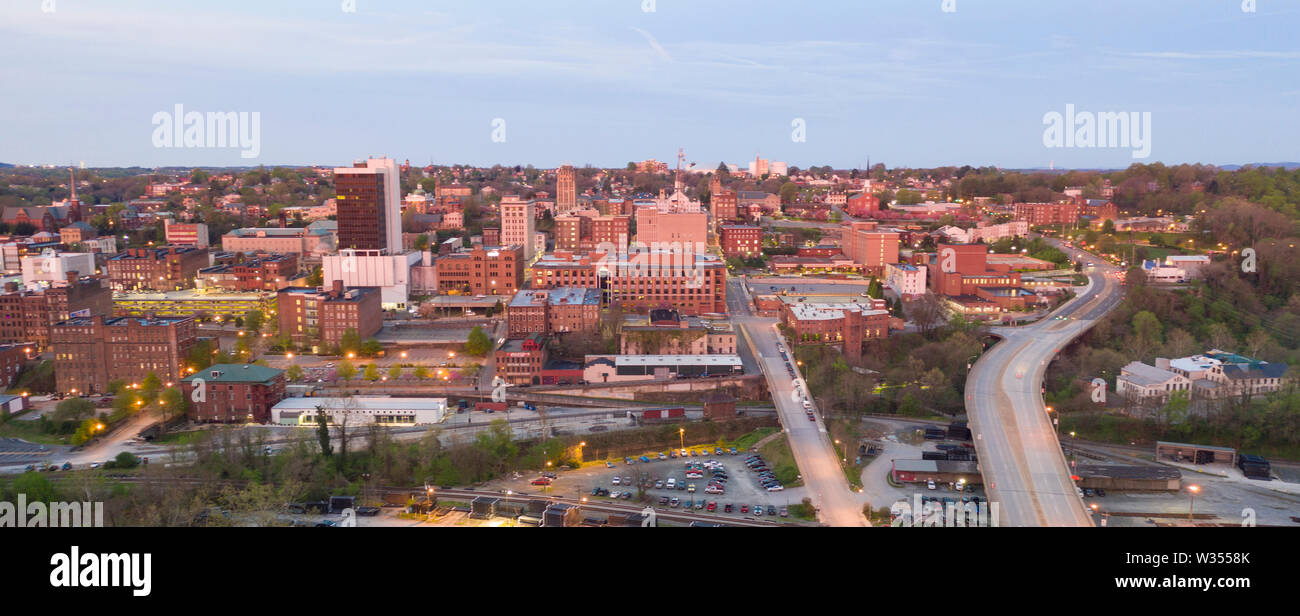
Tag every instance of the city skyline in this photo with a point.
(907, 84)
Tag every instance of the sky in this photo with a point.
(907, 83)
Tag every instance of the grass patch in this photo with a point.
(31, 431)
(779, 458)
(746, 441)
(802, 511)
(182, 438)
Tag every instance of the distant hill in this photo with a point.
(1287, 166)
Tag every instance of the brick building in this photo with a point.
(12, 359)
(740, 240)
(579, 230)
(233, 393)
(319, 316)
(261, 273)
(26, 316)
(1037, 214)
(569, 309)
(166, 268)
(870, 247)
(482, 271)
(846, 323)
(520, 361)
(91, 352)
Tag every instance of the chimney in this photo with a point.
(337, 290)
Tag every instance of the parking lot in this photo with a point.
(742, 489)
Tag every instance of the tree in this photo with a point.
(371, 347)
(294, 372)
(789, 191)
(173, 403)
(323, 432)
(346, 370)
(73, 409)
(253, 320)
(350, 341)
(421, 372)
(150, 385)
(394, 372)
(478, 343)
(371, 373)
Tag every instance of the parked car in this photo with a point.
(542, 481)
(929, 485)
(744, 508)
(616, 481)
(609, 464)
(785, 512)
(663, 500)
(713, 506)
(758, 510)
(727, 508)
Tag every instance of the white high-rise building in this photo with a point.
(518, 222)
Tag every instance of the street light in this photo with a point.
(681, 435)
(1191, 505)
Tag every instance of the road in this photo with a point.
(809, 442)
(1024, 469)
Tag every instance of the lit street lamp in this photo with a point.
(1191, 505)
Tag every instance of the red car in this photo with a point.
(542, 481)
(744, 508)
(713, 506)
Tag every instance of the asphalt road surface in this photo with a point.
(809, 443)
(1020, 455)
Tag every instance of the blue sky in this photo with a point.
(603, 82)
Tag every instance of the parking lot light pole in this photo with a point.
(1191, 505)
(681, 435)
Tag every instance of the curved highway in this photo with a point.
(1024, 470)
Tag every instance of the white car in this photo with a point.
(776, 488)
(929, 485)
(618, 481)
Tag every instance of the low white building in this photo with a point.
(906, 279)
(1141, 382)
(360, 411)
(373, 268)
(51, 266)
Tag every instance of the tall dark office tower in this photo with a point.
(369, 206)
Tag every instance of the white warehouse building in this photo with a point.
(383, 411)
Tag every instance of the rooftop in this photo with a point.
(1147, 375)
(362, 404)
(234, 373)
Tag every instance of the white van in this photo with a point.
(671, 484)
(807, 405)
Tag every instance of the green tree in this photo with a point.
(421, 372)
(346, 370)
(371, 373)
(789, 191)
(253, 320)
(37, 488)
(294, 372)
(323, 432)
(350, 341)
(73, 409)
(173, 403)
(394, 372)
(371, 347)
(150, 385)
(478, 343)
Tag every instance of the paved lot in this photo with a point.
(742, 484)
